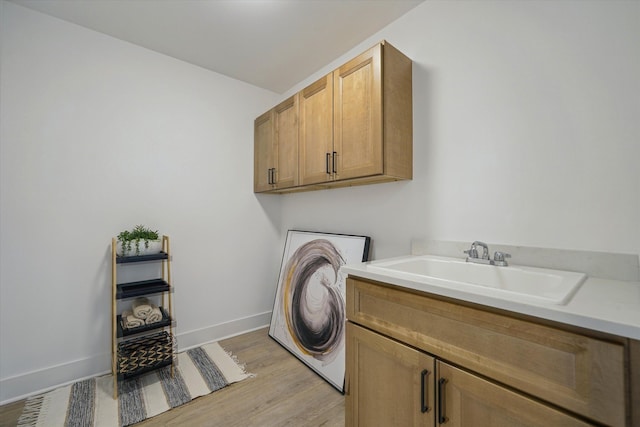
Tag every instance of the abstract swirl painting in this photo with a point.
(309, 311)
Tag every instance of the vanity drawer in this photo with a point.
(576, 372)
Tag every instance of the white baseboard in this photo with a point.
(198, 337)
(40, 381)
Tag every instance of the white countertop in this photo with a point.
(604, 305)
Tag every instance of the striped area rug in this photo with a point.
(90, 403)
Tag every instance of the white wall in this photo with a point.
(526, 131)
(98, 135)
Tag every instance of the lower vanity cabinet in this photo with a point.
(392, 384)
(415, 359)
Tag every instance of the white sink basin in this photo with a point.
(513, 282)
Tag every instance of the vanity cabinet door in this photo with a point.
(387, 383)
(467, 400)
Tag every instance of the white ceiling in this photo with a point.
(273, 44)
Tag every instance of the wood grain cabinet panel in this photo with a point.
(634, 371)
(468, 400)
(358, 116)
(577, 372)
(286, 141)
(264, 152)
(389, 384)
(276, 147)
(316, 131)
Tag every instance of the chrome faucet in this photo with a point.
(473, 253)
(499, 258)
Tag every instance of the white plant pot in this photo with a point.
(155, 247)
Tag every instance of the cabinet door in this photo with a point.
(358, 116)
(263, 146)
(388, 383)
(286, 143)
(466, 400)
(316, 131)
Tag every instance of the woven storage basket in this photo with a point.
(145, 352)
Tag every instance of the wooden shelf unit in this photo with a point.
(159, 334)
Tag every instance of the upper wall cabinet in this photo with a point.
(276, 147)
(354, 126)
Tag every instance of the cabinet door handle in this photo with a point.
(441, 417)
(273, 175)
(335, 154)
(327, 163)
(269, 176)
(424, 404)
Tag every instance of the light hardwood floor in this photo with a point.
(285, 392)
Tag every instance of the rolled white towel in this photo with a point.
(130, 321)
(154, 316)
(141, 308)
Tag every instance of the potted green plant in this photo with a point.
(139, 241)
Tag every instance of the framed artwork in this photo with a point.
(309, 310)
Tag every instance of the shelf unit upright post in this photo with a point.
(136, 289)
